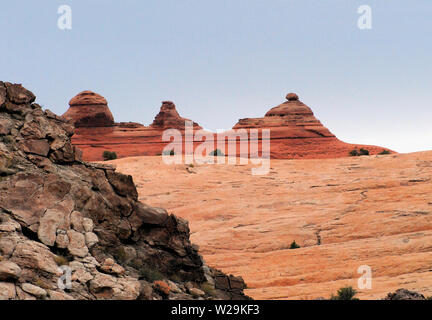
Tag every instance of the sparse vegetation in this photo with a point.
(109, 155)
(364, 152)
(354, 153)
(357, 153)
(384, 152)
(346, 293)
(42, 284)
(61, 261)
(294, 245)
(8, 139)
(121, 254)
(169, 153)
(216, 153)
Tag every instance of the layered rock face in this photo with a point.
(168, 117)
(130, 139)
(88, 109)
(296, 133)
(57, 211)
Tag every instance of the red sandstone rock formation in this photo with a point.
(168, 117)
(294, 131)
(128, 138)
(88, 109)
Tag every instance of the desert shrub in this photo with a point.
(109, 155)
(354, 153)
(294, 245)
(8, 139)
(364, 152)
(384, 152)
(361, 152)
(121, 254)
(216, 153)
(61, 261)
(42, 284)
(169, 153)
(346, 293)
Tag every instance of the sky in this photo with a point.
(223, 60)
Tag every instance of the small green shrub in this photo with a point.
(121, 254)
(169, 153)
(384, 152)
(8, 139)
(216, 153)
(347, 293)
(364, 152)
(354, 153)
(294, 245)
(109, 155)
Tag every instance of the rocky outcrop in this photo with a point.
(404, 294)
(60, 214)
(89, 109)
(168, 118)
(296, 133)
(128, 139)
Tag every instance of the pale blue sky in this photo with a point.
(228, 59)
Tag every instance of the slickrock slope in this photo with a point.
(296, 133)
(344, 213)
(56, 210)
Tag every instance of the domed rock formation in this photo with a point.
(89, 109)
(168, 117)
(296, 133)
(294, 117)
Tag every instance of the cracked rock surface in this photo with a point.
(58, 212)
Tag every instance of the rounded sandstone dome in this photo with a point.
(89, 109)
(87, 97)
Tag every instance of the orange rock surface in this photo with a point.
(294, 132)
(344, 213)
